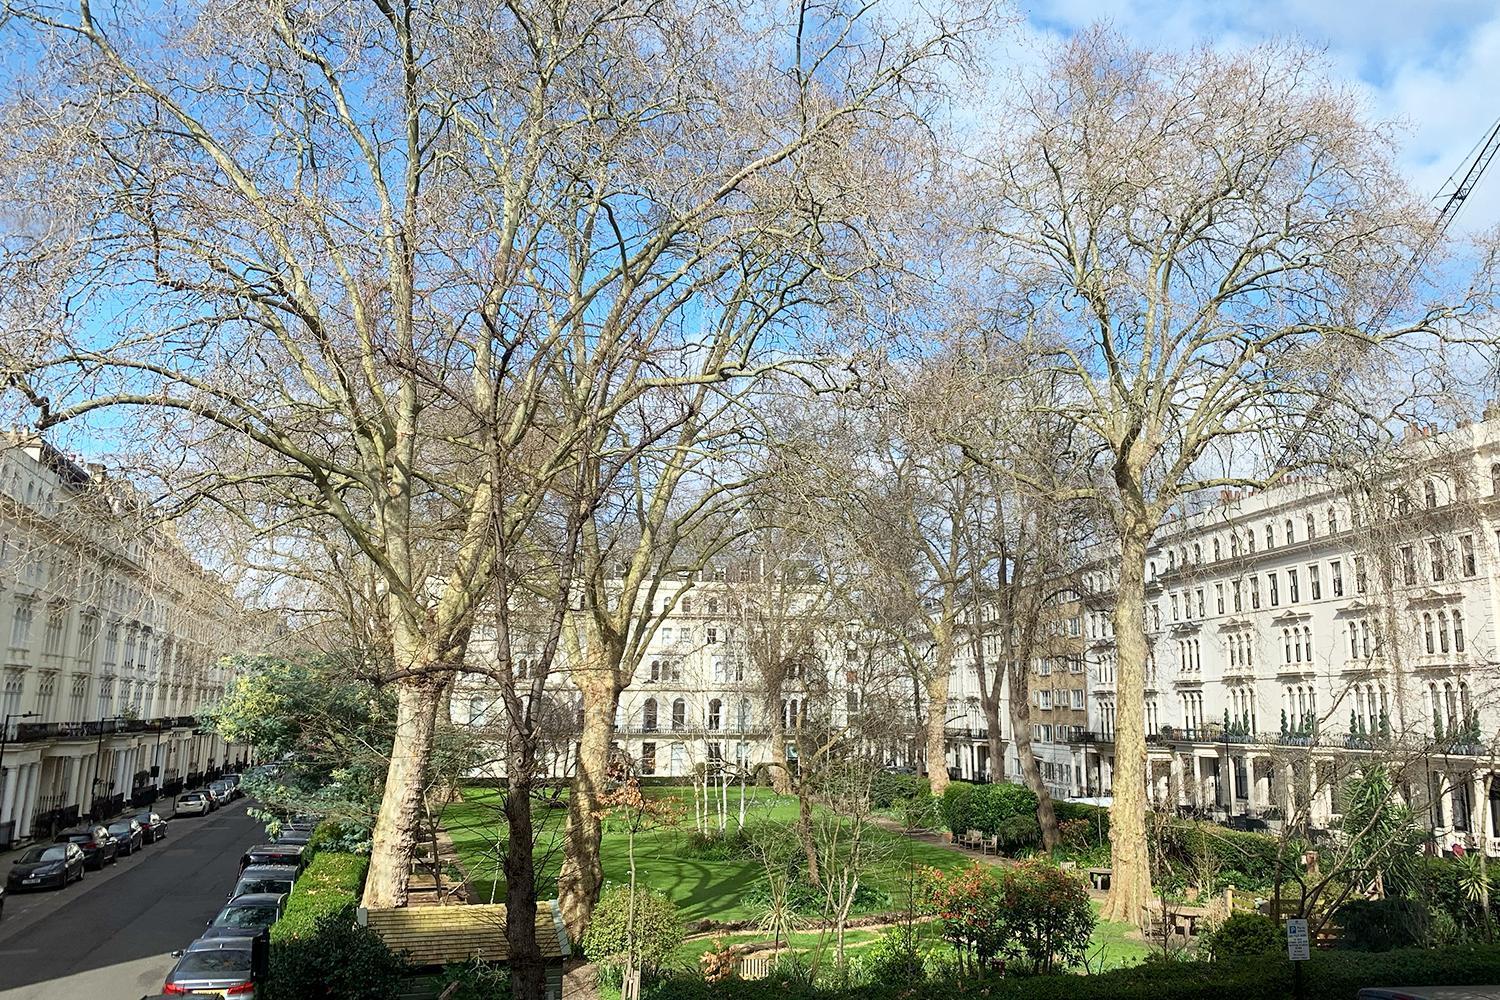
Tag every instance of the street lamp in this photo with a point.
(5, 735)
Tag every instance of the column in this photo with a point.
(1229, 784)
(9, 778)
(26, 806)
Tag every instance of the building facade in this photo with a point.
(1300, 632)
(113, 640)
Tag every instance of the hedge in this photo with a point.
(985, 807)
(1327, 976)
(330, 885)
(887, 788)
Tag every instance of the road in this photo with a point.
(110, 937)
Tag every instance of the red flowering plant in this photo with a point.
(970, 905)
(1049, 918)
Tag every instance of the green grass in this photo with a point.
(1121, 944)
(700, 888)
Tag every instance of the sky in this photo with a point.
(1433, 66)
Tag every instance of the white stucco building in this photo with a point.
(112, 640)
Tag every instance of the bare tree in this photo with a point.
(1197, 240)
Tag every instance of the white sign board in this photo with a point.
(1298, 947)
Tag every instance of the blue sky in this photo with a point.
(1433, 66)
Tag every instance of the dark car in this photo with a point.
(99, 846)
(152, 826)
(52, 865)
(298, 838)
(226, 966)
(250, 915)
(273, 854)
(279, 879)
(129, 833)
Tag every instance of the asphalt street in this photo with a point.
(110, 937)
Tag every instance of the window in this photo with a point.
(1467, 564)
(1217, 550)
(1408, 566)
(1271, 581)
(1175, 616)
(1312, 527)
(1361, 580)
(679, 714)
(1255, 593)
(742, 717)
(20, 625)
(1427, 635)
(1435, 557)
(1353, 641)
(715, 713)
(1236, 586)
(1219, 597)
(1077, 697)
(713, 636)
(713, 605)
(1291, 586)
(648, 715)
(1458, 631)
(1429, 494)
(1443, 635)
(476, 710)
(1290, 534)
(1336, 577)
(1314, 584)
(1197, 553)
(648, 758)
(1333, 521)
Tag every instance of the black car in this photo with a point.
(250, 915)
(273, 854)
(297, 838)
(227, 966)
(99, 846)
(278, 879)
(129, 833)
(52, 865)
(152, 825)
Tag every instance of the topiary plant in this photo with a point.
(1244, 934)
(657, 929)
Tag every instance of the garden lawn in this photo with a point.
(702, 889)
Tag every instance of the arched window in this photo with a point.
(743, 719)
(1234, 545)
(1197, 553)
(1270, 537)
(1312, 526)
(687, 605)
(1218, 550)
(656, 670)
(523, 669)
(1364, 638)
(1495, 479)
(679, 714)
(1353, 641)
(1429, 494)
(476, 709)
(1250, 540)
(1442, 630)
(713, 605)
(1437, 706)
(648, 715)
(1286, 646)
(1333, 521)
(1431, 641)
(1291, 534)
(1458, 631)
(715, 713)
(1451, 697)
(1171, 559)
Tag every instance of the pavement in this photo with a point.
(111, 936)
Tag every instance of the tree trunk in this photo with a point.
(394, 843)
(582, 873)
(528, 975)
(805, 832)
(1130, 880)
(994, 745)
(936, 684)
(781, 774)
(1031, 772)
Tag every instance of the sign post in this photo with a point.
(1299, 950)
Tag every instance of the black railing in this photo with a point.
(194, 779)
(51, 820)
(107, 805)
(172, 787)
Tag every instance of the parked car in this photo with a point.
(99, 846)
(46, 865)
(233, 780)
(273, 854)
(250, 915)
(130, 834)
(222, 791)
(193, 804)
(298, 838)
(224, 966)
(279, 879)
(153, 825)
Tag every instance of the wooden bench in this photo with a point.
(1099, 878)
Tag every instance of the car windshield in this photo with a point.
(249, 885)
(188, 798)
(213, 963)
(245, 916)
(54, 853)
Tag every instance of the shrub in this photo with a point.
(476, 980)
(334, 835)
(1244, 860)
(970, 904)
(894, 957)
(804, 897)
(335, 958)
(1382, 924)
(921, 812)
(658, 931)
(1018, 833)
(985, 807)
(887, 789)
(1244, 934)
(329, 887)
(1048, 915)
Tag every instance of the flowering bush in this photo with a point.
(970, 905)
(1048, 915)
